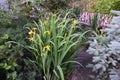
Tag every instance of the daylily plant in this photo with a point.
(52, 45)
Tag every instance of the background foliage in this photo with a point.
(16, 62)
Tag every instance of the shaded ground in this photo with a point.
(82, 72)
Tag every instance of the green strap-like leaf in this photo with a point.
(61, 72)
(56, 74)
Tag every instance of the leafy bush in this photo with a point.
(4, 19)
(6, 59)
(53, 5)
(12, 54)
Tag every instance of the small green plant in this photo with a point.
(116, 6)
(4, 19)
(6, 62)
(51, 42)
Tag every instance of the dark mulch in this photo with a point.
(82, 72)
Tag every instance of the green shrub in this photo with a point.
(4, 19)
(116, 6)
(6, 58)
(104, 6)
(11, 52)
(54, 5)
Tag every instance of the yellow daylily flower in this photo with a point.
(46, 48)
(47, 32)
(31, 39)
(34, 29)
(43, 54)
(75, 21)
(30, 32)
